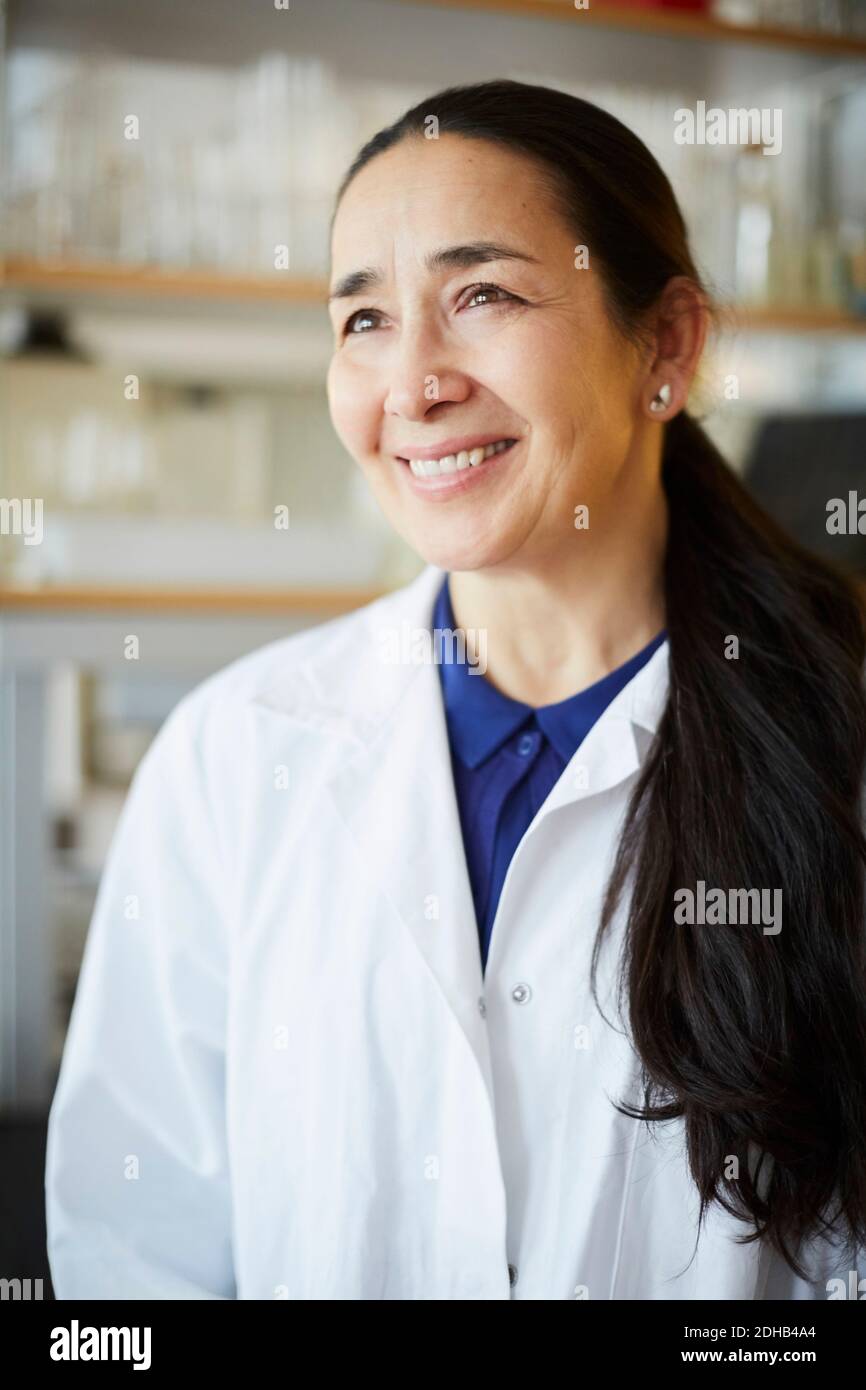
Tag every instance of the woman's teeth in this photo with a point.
(453, 463)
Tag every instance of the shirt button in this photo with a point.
(521, 994)
(512, 1275)
(482, 1007)
(525, 745)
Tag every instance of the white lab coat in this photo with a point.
(285, 1076)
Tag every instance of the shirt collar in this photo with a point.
(480, 718)
(567, 723)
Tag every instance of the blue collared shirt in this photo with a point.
(506, 757)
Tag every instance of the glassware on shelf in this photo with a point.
(853, 240)
(787, 14)
(818, 16)
(737, 11)
(831, 16)
(826, 269)
(231, 164)
(855, 18)
(754, 226)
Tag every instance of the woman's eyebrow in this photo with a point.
(446, 258)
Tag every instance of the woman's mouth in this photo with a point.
(454, 472)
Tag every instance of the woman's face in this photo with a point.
(460, 320)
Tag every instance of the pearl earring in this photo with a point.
(662, 399)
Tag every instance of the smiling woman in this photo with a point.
(585, 360)
(407, 1011)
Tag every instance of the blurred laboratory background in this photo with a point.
(168, 173)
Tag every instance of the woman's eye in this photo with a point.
(488, 291)
(353, 320)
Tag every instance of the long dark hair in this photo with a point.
(754, 778)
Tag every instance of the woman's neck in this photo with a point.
(555, 626)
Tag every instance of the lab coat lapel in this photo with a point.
(394, 790)
(397, 800)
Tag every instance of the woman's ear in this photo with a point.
(679, 326)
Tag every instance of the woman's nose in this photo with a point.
(420, 373)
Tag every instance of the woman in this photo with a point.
(408, 976)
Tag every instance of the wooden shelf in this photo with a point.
(254, 601)
(105, 277)
(793, 320)
(155, 283)
(665, 23)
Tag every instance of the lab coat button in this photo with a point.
(512, 1275)
(521, 994)
(482, 1007)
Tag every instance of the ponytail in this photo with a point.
(754, 781)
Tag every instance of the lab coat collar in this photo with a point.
(351, 683)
